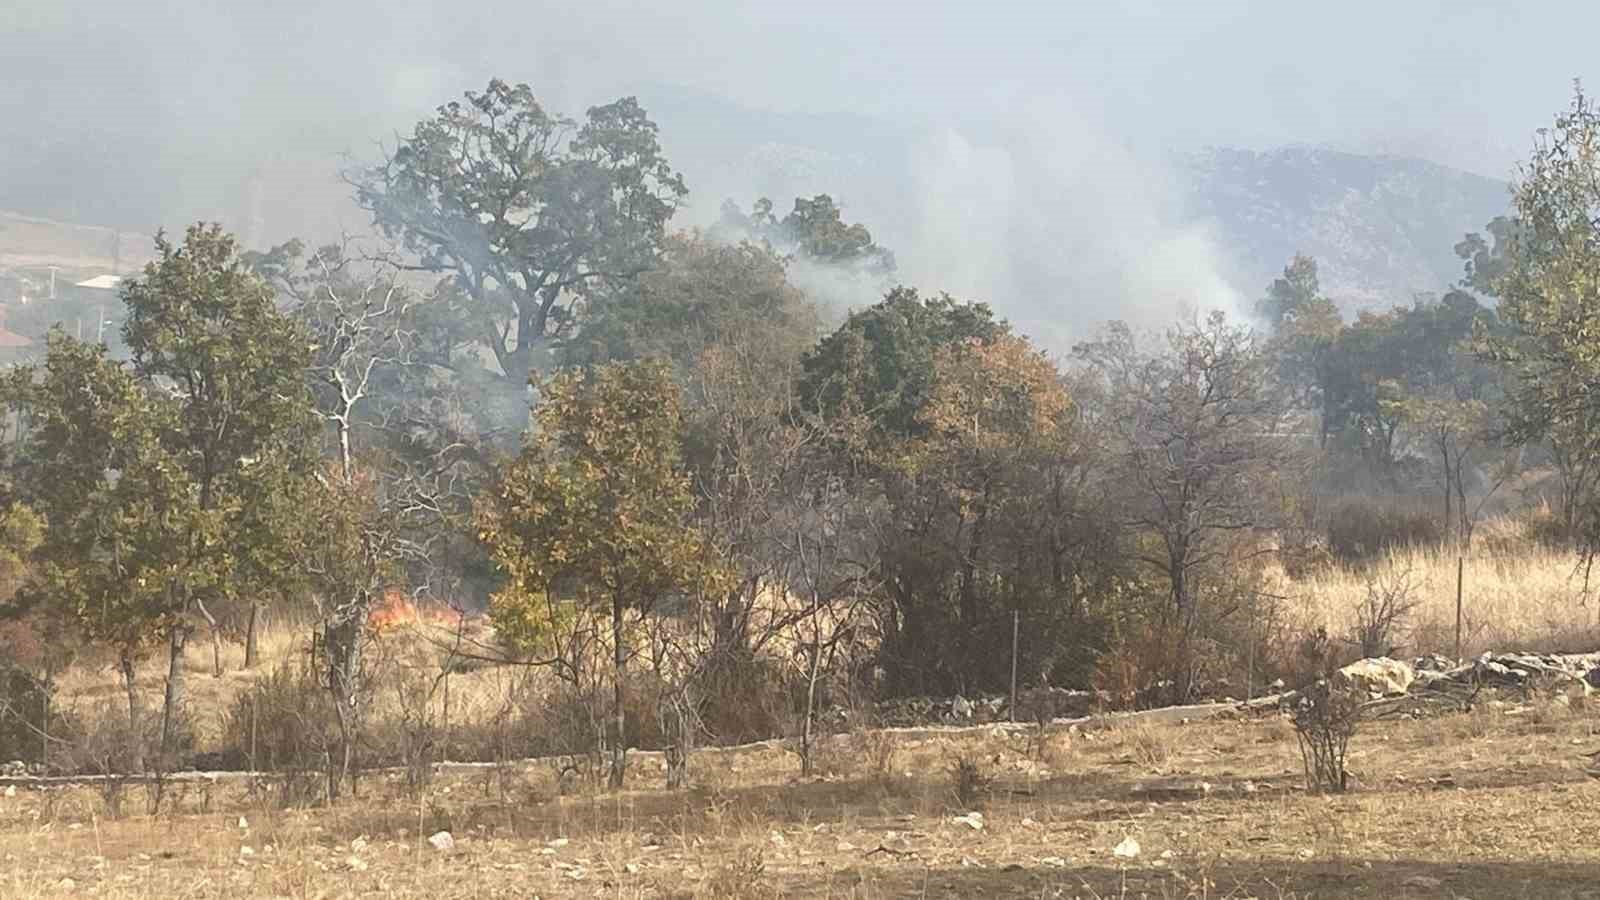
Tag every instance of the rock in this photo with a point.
(1128, 849)
(11, 790)
(1171, 789)
(1381, 676)
(1426, 882)
(973, 820)
(961, 707)
(355, 863)
(442, 841)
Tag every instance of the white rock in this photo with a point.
(1382, 675)
(441, 840)
(355, 863)
(973, 820)
(1128, 849)
(247, 850)
(11, 790)
(359, 844)
(243, 824)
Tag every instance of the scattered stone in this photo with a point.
(441, 841)
(1128, 849)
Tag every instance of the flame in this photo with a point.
(396, 610)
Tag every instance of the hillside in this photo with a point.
(1381, 228)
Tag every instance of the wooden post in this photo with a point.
(1461, 564)
(1016, 621)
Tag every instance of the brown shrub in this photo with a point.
(1362, 529)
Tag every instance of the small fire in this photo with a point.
(396, 610)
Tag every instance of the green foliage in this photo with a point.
(814, 229)
(879, 363)
(1545, 269)
(526, 210)
(119, 516)
(699, 294)
(596, 507)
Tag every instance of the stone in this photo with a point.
(961, 707)
(1128, 849)
(1381, 676)
(442, 841)
(1426, 882)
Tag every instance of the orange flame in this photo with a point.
(396, 610)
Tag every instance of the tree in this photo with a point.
(388, 496)
(528, 211)
(1305, 328)
(815, 230)
(119, 513)
(699, 292)
(597, 507)
(1290, 295)
(1545, 269)
(1197, 427)
(208, 343)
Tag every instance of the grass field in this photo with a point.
(1490, 803)
(1494, 802)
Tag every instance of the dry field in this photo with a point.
(1516, 596)
(1491, 803)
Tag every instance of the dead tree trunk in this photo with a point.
(251, 649)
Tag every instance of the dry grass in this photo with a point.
(1517, 595)
(1486, 804)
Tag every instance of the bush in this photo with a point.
(24, 703)
(285, 723)
(1382, 613)
(1360, 530)
(1324, 721)
(968, 781)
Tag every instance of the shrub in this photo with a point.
(968, 781)
(1383, 612)
(24, 705)
(1360, 530)
(285, 723)
(1325, 719)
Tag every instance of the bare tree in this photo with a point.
(1197, 427)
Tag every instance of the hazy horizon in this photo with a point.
(1007, 135)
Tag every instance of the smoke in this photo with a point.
(1018, 159)
(1061, 226)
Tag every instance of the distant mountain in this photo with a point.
(1381, 228)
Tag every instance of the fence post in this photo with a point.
(1015, 627)
(1461, 564)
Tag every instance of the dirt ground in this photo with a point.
(1486, 804)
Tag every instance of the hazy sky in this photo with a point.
(175, 105)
